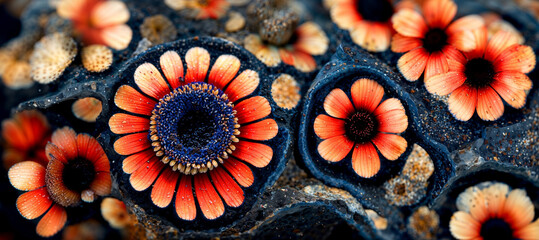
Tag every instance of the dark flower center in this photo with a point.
(375, 10)
(78, 174)
(496, 229)
(361, 127)
(435, 40)
(193, 128)
(479, 73)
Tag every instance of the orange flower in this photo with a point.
(357, 126)
(430, 39)
(491, 211)
(26, 135)
(77, 169)
(477, 79)
(205, 122)
(201, 9)
(98, 21)
(310, 40)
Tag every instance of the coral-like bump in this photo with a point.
(51, 56)
(96, 58)
(285, 91)
(87, 109)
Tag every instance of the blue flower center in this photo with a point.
(193, 128)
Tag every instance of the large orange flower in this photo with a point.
(196, 125)
(361, 125)
(77, 170)
(477, 79)
(430, 39)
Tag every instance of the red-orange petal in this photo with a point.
(27, 175)
(467, 33)
(243, 85)
(52, 222)
(198, 63)
(185, 202)
(455, 59)
(66, 140)
(401, 43)
(224, 70)
(146, 174)
(390, 145)
(172, 67)
(150, 81)
(252, 109)
(132, 143)
(286, 56)
(102, 184)
(263, 130)
(163, 189)
(102, 164)
(303, 61)
(89, 148)
(33, 125)
(436, 64)
(241, 172)
(409, 23)
(327, 127)
(344, 14)
(365, 160)
(512, 95)
(209, 201)
(335, 149)
(129, 99)
(498, 43)
(412, 64)
(338, 105)
(391, 116)
(366, 94)
(121, 123)
(444, 83)
(515, 79)
(33, 204)
(462, 102)
(13, 134)
(135, 161)
(53, 152)
(439, 13)
(489, 104)
(229, 190)
(516, 58)
(256, 154)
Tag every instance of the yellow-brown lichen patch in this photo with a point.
(96, 58)
(51, 56)
(380, 222)
(14, 67)
(235, 22)
(285, 91)
(419, 166)
(423, 223)
(87, 109)
(17, 75)
(158, 29)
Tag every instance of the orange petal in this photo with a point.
(163, 189)
(209, 201)
(109, 13)
(13, 134)
(287, 56)
(409, 23)
(302, 61)
(243, 85)
(374, 37)
(198, 62)
(495, 195)
(412, 64)
(102, 164)
(66, 140)
(345, 15)
(366, 94)
(436, 64)
(52, 222)
(393, 121)
(185, 202)
(462, 102)
(241, 172)
(467, 33)
(518, 210)
(512, 95)
(117, 36)
(224, 69)
(401, 43)
(252, 109)
(440, 13)
(27, 176)
(530, 231)
(463, 226)
(150, 81)
(121, 123)
(365, 160)
(514, 79)
(133, 162)
(337, 104)
(33, 204)
(327, 127)
(172, 67)
(229, 190)
(335, 149)
(390, 145)
(455, 59)
(263, 130)
(102, 184)
(498, 43)
(257, 154)
(516, 58)
(129, 99)
(445, 83)
(311, 39)
(132, 143)
(89, 148)
(12, 156)
(489, 105)
(146, 174)
(34, 125)
(87, 109)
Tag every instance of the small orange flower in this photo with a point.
(98, 21)
(490, 211)
(429, 40)
(201, 9)
(361, 125)
(77, 169)
(477, 79)
(25, 135)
